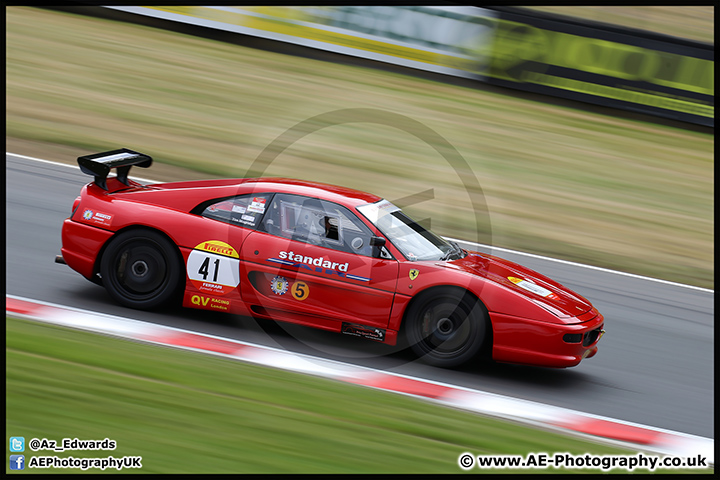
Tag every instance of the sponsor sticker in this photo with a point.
(375, 211)
(533, 287)
(316, 264)
(97, 218)
(279, 285)
(357, 330)
(244, 220)
(210, 303)
(290, 258)
(216, 246)
(214, 267)
(257, 205)
(300, 291)
(238, 209)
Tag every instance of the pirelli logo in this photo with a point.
(216, 246)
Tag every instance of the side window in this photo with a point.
(317, 222)
(243, 210)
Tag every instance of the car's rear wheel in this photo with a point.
(141, 269)
(446, 328)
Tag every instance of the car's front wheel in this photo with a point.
(446, 328)
(141, 269)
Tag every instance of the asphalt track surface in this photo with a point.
(654, 367)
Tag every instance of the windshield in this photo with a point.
(414, 241)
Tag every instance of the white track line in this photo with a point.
(480, 245)
(591, 267)
(74, 167)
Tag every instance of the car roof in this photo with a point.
(186, 195)
(324, 191)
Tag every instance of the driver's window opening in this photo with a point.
(303, 222)
(318, 222)
(332, 227)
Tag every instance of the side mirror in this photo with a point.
(378, 246)
(377, 241)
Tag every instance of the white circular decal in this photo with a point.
(214, 267)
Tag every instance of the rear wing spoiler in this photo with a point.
(99, 164)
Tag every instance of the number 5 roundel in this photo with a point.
(214, 267)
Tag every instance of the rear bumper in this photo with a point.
(81, 245)
(525, 341)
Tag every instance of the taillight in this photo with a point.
(76, 204)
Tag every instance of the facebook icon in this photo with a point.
(17, 462)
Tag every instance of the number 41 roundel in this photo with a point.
(214, 267)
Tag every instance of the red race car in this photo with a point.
(317, 255)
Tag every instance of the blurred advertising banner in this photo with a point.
(510, 47)
(446, 40)
(597, 63)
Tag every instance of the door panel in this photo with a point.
(311, 280)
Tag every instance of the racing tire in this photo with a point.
(141, 269)
(446, 328)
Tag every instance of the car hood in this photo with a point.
(542, 290)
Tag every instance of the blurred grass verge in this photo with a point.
(572, 184)
(185, 412)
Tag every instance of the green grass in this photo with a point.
(572, 184)
(185, 412)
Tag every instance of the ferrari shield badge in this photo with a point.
(279, 285)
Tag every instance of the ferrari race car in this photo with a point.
(317, 255)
